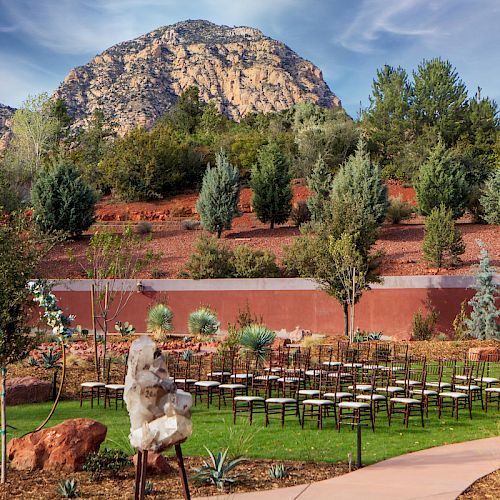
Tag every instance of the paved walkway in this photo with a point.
(438, 473)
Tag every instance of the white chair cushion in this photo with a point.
(114, 387)
(288, 380)
(232, 386)
(461, 377)
(408, 382)
(467, 388)
(371, 397)
(309, 392)
(425, 392)
(353, 404)
(92, 384)
(218, 374)
(314, 373)
(487, 380)
(389, 389)
(452, 395)
(266, 377)
(185, 380)
(443, 385)
(281, 401)
(332, 363)
(406, 401)
(493, 389)
(337, 395)
(248, 398)
(353, 365)
(241, 375)
(317, 402)
(361, 387)
(207, 383)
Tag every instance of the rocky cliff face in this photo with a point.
(240, 68)
(5, 114)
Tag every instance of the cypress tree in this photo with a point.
(320, 184)
(442, 181)
(482, 323)
(219, 196)
(270, 182)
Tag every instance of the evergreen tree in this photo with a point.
(320, 184)
(490, 200)
(187, 111)
(440, 99)
(270, 182)
(219, 195)
(62, 201)
(442, 240)
(442, 180)
(483, 319)
(359, 200)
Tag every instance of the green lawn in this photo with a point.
(214, 429)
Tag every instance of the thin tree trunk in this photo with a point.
(219, 233)
(3, 389)
(105, 332)
(272, 224)
(94, 328)
(353, 298)
(345, 307)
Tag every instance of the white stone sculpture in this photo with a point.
(160, 414)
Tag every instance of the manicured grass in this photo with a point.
(214, 429)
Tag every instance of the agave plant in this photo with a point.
(68, 488)
(257, 341)
(187, 354)
(203, 322)
(219, 471)
(124, 329)
(50, 359)
(278, 471)
(160, 320)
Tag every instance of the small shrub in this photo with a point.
(144, 228)
(159, 320)
(209, 260)
(245, 317)
(187, 338)
(424, 326)
(278, 471)
(105, 460)
(257, 341)
(203, 322)
(490, 200)
(398, 210)
(219, 471)
(149, 488)
(460, 330)
(250, 263)
(442, 240)
(300, 213)
(68, 488)
(124, 329)
(157, 274)
(191, 225)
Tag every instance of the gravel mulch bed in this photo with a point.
(485, 488)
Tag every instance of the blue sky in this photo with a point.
(41, 40)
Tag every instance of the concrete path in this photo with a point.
(438, 473)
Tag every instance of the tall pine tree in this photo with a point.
(219, 196)
(483, 319)
(270, 182)
(320, 184)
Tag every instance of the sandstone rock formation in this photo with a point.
(157, 464)
(22, 390)
(63, 447)
(6, 113)
(239, 68)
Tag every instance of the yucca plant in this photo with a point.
(50, 359)
(32, 361)
(278, 471)
(124, 329)
(187, 354)
(219, 470)
(203, 322)
(160, 320)
(68, 488)
(257, 341)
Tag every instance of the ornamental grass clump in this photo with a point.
(203, 322)
(257, 340)
(219, 471)
(159, 320)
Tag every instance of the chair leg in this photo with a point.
(92, 397)
(303, 416)
(81, 398)
(422, 413)
(234, 411)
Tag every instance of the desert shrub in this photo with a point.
(460, 329)
(219, 196)
(144, 227)
(300, 213)
(209, 260)
(62, 200)
(424, 327)
(159, 320)
(320, 185)
(398, 210)
(490, 200)
(483, 319)
(219, 470)
(257, 340)
(442, 181)
(249, 263)
(203, 322)
(105, 460)
(191, 225)
(270, 183)
(442, 240)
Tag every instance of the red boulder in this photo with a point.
(157, 464)
(22, 390)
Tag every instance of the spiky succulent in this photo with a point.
(278, 471)
(124, 329)
(160, 320)
(50, 359)
(219, 470)
(68, 488)
(203, 322)
(257, 341)
(187, 354)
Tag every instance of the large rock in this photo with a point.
(157, 464)
(21, 390)
(63, 447)
(484, 354)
